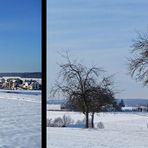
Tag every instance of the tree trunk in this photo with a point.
(87, 120)
(92, 120)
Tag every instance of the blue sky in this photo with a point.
(98, 32)
(20, 35)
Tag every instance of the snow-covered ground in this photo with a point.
(121, 130)
(22, 95)
(20, 120)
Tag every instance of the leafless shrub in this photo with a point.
(67, 120)
(49, 123)
(79, 122)
(100, 125)
(83, 122)
(58, 122)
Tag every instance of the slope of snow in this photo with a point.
(121, 130)
(29, 92)
(31, 96)
(20, 120)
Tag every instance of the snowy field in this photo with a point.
(121, 130)
(20, 120)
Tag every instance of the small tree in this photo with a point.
(138, 65)
(121, 104)
(79, 85)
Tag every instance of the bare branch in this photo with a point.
(138, 65)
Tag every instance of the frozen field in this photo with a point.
(20, 120)
(121, 130)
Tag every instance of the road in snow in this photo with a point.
(20, 121)
(122, 130)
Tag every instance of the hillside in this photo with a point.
(135, 102)
(23, 75)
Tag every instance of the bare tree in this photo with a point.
(80, 86)
(138, 65)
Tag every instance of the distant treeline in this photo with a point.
(23, 75)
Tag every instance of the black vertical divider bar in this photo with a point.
(44, 74)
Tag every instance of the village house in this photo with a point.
(14, 83)
(35, 85)
(31, 84)
(2, 81)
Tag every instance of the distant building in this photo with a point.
(34, 86)
(135, 108)
(13, 83)
(55, 104)
(53, 107)
(129, 108)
